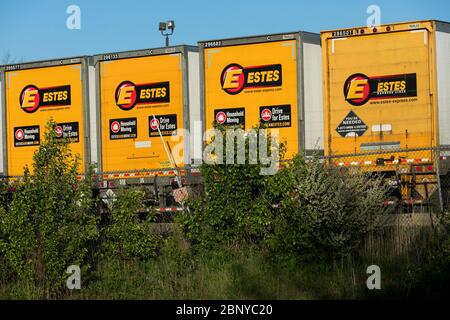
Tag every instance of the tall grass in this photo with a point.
(215, 276)
(247, 272)
(394, 242)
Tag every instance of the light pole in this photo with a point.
(168, 25)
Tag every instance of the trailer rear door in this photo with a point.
(35, 95)
(379, 92)
(250, 84)
(131, 91)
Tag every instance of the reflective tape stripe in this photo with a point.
(140, 174)
(169, 209)
(386, 163)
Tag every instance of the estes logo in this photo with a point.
(235, 78)
(359, 88)
(32, 98)
(129, 95)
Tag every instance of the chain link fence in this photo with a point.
(419, 178)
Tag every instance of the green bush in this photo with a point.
(125, 235)
(324, 213)
(307, 209)
(234, 208)
(50, 223)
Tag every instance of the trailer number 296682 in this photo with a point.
(211, 44)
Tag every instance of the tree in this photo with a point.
(50, 223)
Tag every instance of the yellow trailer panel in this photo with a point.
(132, 90)
(270, 80)
(383, 111)
(35, 93)
(379, 89)
(271, 85)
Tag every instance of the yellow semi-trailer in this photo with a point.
(386, 99)
(32, 93)
(133, 87)
(273, 80)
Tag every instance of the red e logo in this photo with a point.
(357, 89)
(232, 79)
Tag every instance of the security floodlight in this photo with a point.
(171, 24)
(163, 26)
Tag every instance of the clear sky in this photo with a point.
(36, 30)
